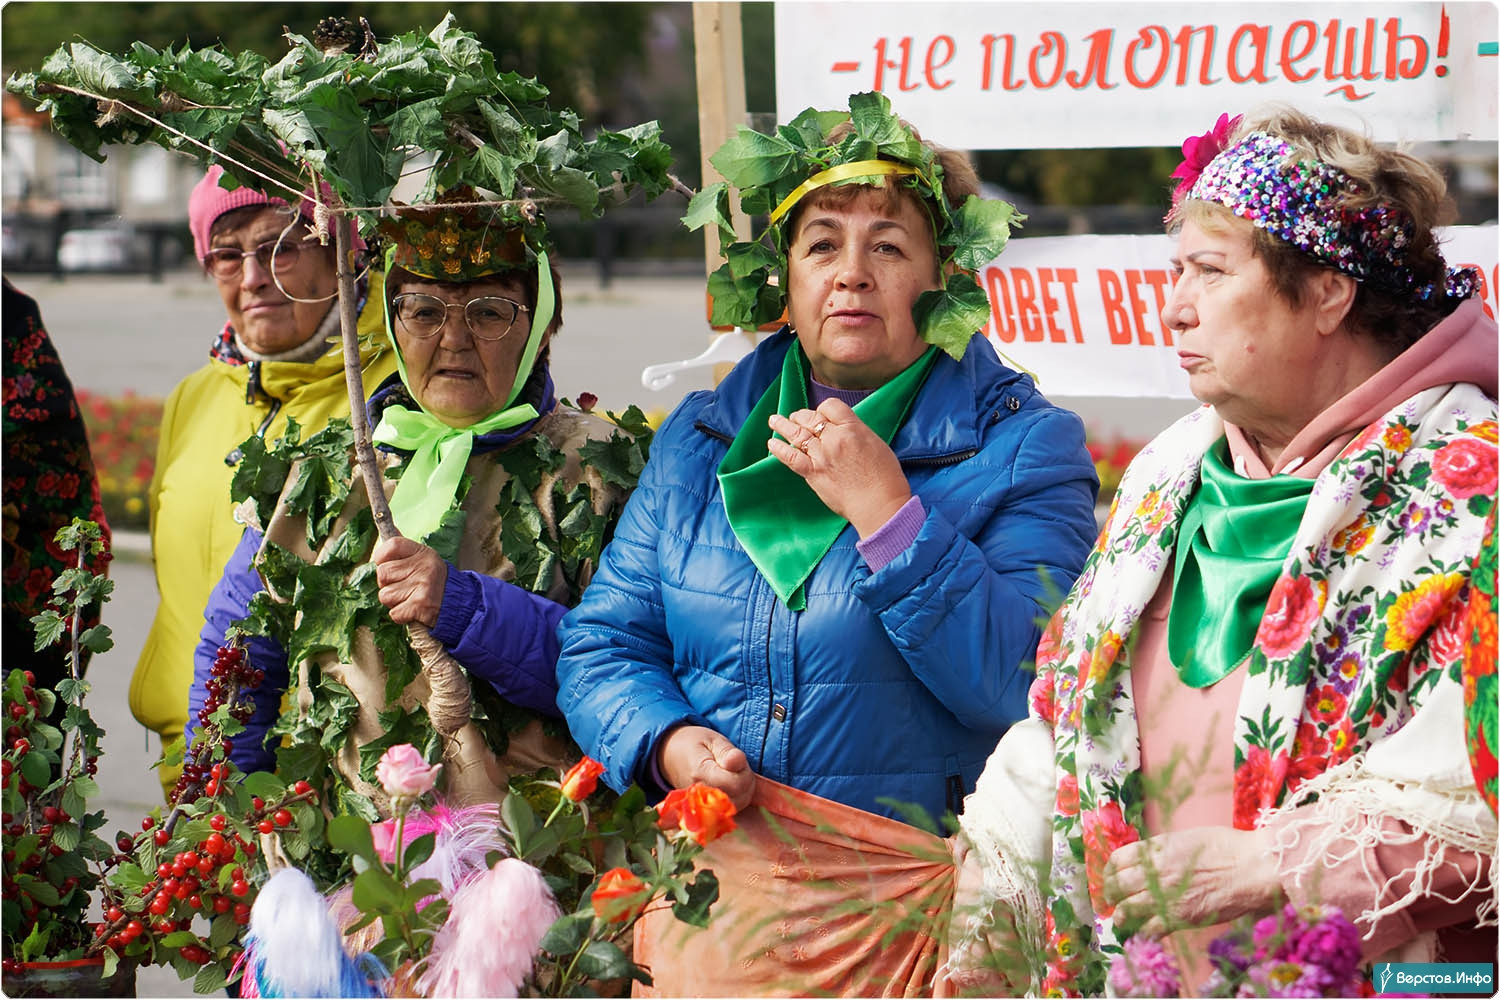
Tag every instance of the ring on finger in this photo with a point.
(821, 425)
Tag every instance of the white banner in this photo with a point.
(1069, 75)
(1083, 313)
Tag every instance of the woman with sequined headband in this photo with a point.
(821, 597)
(485, 454)
(1252, 697)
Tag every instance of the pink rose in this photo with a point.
(1466, 467)
(1294, 606)
(404, 774)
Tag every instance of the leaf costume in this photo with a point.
(535, 509)
(1375, 579)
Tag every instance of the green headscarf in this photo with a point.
(439, 450)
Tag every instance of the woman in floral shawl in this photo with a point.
(1253, 691)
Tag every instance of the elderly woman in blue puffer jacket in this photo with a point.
(834, 568)
(844, 605)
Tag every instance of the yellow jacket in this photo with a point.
(193, 530)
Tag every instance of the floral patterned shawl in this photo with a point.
(1364, 623)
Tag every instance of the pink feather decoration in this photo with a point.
(488, 946)
(464, 837)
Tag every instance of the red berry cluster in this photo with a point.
(39, 815)
(230, 680)
(209, 879)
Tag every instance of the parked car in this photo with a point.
(104, 249)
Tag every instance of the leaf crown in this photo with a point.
(354, 120)
(773, 171)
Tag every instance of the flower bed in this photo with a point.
(122, 439)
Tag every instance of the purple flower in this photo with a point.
(1332, 942)
(1145, 969)
(1231, 951)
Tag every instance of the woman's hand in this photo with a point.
(412, 578)
(851, 470)
(697, 753)
(1192, 878)
(985, 957)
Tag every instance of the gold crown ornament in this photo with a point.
(455, 239)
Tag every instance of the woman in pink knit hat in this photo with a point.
(277, 357)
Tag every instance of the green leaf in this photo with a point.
(66, 835)
(222, 931)
(710, 207)
(950, 317)
(351, 834)
(812, 125)
(418, 851)
(752, 158)
(375, 890)
(36, 769)
(567, 933)
(603, 960)
(49, 628)
(96, 639)
(981, 229)
(518, 818)
(211, 977)
(177, 939)
(264, 784)
(701, 895)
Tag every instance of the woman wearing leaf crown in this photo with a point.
(821, 597)
(1252, 697)
(503, 501)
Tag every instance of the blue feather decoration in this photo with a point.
(294, 949)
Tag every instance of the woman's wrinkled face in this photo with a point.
(1248, 352)
(853, 275)
(456, 376)
(267, 321)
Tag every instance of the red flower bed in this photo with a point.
(122, 438)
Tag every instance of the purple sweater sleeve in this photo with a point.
(504, 634)
(894, 536)
(229, 602)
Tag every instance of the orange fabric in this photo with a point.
(816, 898)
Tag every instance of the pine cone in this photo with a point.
(334, 35)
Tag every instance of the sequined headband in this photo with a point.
(1298, 200)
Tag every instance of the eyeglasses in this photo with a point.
(489, 317)
(227, 263)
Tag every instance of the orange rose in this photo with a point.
(581, 780)
(620, 896)
(700, 811)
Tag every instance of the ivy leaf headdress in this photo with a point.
(773, 171)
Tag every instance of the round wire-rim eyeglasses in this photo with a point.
(276, 256)
(489, 317)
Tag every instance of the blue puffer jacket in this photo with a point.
(890, 685)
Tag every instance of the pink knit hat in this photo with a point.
(209, 201)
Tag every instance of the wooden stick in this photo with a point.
(364, 451)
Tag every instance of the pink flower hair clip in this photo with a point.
(1198, 151)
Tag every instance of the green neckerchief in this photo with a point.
(439, 450)
(783, 526)
(1235, 534)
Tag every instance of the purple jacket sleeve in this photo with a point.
(506, 635)
(229, 602)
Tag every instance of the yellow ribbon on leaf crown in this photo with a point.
(772, 172)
